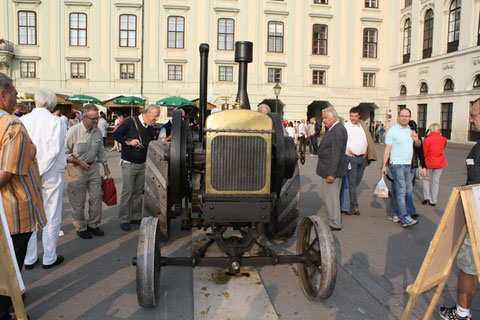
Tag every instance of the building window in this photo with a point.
(225, 73)
(319, 77)
(27, 70)
(274, 75)
(424, 88)
(454, 26)
(78, 29)
(422, 119)
(369, 79)
(403, 90)
(176, 32)
(446, 119)
(128, 30)
(476, 82)
(369, 43)
(175, 72)
(275, 36)
(407, 38)
(320, 39)
(428, 34)
(408, 3)
(78, 70)
(27, 27)
(320, 1)
(127, 71)
(371, 3)
(226, 29)
(448, 86)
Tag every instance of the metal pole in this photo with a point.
(276, 103)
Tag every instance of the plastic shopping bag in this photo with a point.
(381, 189)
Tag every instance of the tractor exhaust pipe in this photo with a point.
(243, 55)
(204, 48)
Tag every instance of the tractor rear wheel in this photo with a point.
(155, 199)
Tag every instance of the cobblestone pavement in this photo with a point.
(377, 260)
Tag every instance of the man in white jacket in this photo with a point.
(48, 134)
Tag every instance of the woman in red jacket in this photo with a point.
(433, 148)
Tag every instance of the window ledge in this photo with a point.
(371, 19)
(321, 15)
(373, 69)
(319, 66)
(223, 9)
(182, 61)
(78, 3)
(275, 64)
(78, 58)
(27, 1)
(128, 5)
(27, 57)
(124, 59)
(173, 7)
(232, 62)
(275, 12)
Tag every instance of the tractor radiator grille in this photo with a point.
(238, 163)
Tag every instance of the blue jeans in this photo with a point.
(313, 144)
(355, 175)
(344, 195)
(402, 190)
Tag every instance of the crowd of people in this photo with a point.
(42, 149)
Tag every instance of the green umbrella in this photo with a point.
(174, 102)
(130, 100)
(84, 99)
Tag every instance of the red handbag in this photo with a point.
(109, 191)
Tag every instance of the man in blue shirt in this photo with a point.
(399, 151)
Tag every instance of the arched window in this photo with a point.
(403, 90)
(476, 82)
(428, 34)
(424, 87)
(448, 86)
(407, 38)
(454, 26)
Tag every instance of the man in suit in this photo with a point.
(332, 165)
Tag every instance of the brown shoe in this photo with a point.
(355, 212)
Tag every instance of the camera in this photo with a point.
(139, 147)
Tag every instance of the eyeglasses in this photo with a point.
(405, 116)
(472, 116)
(93, 119)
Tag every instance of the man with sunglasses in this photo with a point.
(84, 150)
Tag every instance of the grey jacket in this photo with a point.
(331, 153)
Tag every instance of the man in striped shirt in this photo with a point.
(19, 180)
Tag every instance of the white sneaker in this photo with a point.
(409, 222)
(395, 219)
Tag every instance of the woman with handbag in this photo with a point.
(433, 148)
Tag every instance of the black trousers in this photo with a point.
(20, 244)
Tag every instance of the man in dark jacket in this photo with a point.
(467, 277)
(134, 134)
(332, 165)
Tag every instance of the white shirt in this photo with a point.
(65, 120)
(48, 134)
(103, 126)
(291, 132)
(357, 140)
(302, 130)
(311, 129)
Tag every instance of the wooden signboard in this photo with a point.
(11, 282)
(461, 215)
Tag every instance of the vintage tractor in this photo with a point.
(233, 171)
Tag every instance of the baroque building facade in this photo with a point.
(435, 70)
(321, 52)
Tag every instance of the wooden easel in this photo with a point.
(9, 281)
(458, 218)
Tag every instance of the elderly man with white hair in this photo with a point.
(332, 165)
(48, 134)
(263, 108)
